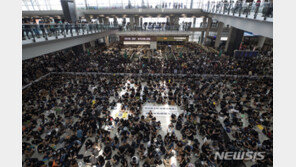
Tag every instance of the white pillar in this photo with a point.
(107, 40)
(141, 21)
(92, 43)
(132, 23)
(115, 21)
(153, 45)
(202, 32)
(101, 20)
(194, 22)
(137, 21)
(219, 32)
(208, 29)
(261, 41)
(106, 21)
(228, 39)
(84, 48)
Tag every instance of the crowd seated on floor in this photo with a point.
(191, 59)
(67, 118)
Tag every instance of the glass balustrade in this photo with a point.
(255, 10)
(43, 32)
(252, 10)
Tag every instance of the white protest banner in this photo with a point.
(160, 110)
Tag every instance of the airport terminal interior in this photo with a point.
(147, 83)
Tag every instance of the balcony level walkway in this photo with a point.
(35, 49)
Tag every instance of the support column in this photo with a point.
(123, 21)
(219, 33)
(69, 10)
(174, 22)
(107, 40)
(194, 22)
(137, 21)
(202, 32)
(115, 22)
(191, 4)
(141, 22)
(261, 41)
(106, 21)
(234, 40)
(208, 30)
(84, 48)
(132, 23)
(101, 20)
(92, 43)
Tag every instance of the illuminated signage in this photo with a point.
(172, 38)
(137, 38)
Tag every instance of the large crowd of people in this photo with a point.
(192, 59)
(69, 120)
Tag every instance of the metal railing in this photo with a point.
(160, 5)
(255, 10)
(35, 31)
(42, 32)
(157, 27)
(252, 10)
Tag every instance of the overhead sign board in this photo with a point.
(172, 38)
(139, 38)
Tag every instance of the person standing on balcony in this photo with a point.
(62, 27)
(42, 27)
(23, 30)
(67, 26)
(225, 6)
(257, 6)
(77, 27)
(35, 28)
(269, 8)
(52, 27)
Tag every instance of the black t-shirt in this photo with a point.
(187, 148)
(158, 161)
(179, 144)
(107, 150)
(116, 157)
(122, 149)
(101, 160)
(146, 164)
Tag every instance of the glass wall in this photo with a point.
(242, 8)
(41, 5)
(99, 4)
